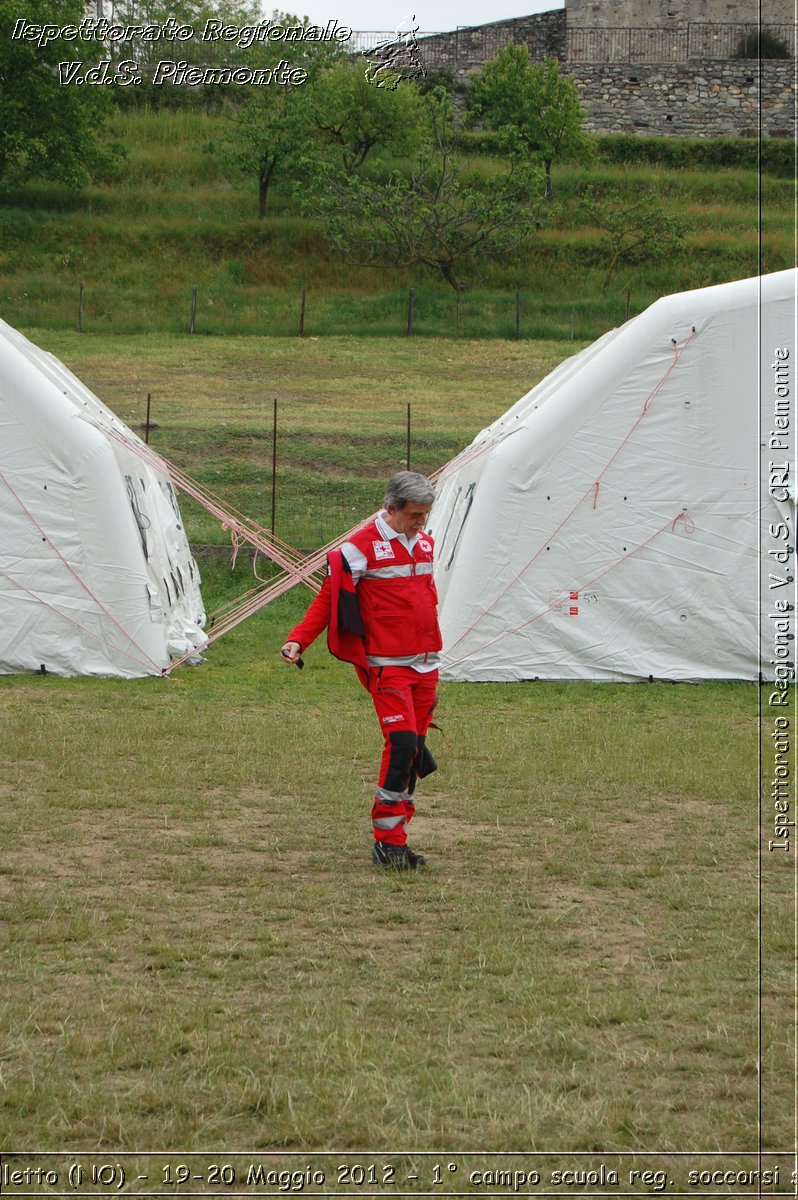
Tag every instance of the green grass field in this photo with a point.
(197, 953)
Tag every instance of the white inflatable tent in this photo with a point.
(610, 525)
(96, 574)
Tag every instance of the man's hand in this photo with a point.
(291, 652)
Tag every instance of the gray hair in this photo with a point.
(408, 487)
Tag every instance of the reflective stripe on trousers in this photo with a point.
(390, 813)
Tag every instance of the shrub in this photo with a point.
(773, 156)
(760, 43)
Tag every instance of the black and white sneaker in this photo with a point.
(396, 858)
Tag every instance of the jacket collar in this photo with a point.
(388, 534)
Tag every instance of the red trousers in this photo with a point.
(404, 701)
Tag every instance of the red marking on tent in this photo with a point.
(669, 525)
(594, 488)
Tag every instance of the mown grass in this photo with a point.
(174, 217)
(199, 955)
(196, 951)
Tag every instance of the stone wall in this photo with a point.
(464, 51)
(697, 99)
(690, 97)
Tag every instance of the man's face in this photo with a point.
(409, 520)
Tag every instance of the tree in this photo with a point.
(634, 229)
(271, 132)
(357, 117)
(269, 136)
(535, 107)
(48, 128)
(438, 217)
(191, 14)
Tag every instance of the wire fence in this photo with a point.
(403, 312)
(629, 44)
(687, 42)
(364, 40)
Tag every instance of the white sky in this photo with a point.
(432, 16)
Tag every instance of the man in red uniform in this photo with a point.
(379, 605)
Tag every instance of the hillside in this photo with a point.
(172, 218)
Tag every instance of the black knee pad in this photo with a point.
(404, 744)
(425, 763)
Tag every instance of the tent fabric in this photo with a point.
(96, 574)
(609, 525)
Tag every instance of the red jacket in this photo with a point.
(390, 613)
